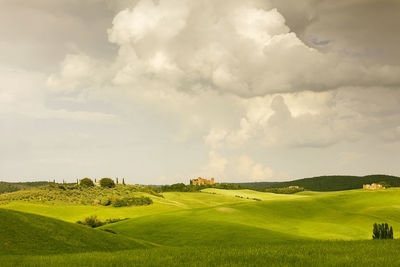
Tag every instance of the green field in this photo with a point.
(212, 227)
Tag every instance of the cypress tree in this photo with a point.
(117, 180)
(375, 232)
(123, 181)
(386, 231)
(382, 231)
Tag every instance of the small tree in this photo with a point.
(117, 180)
(86, 182)
(384, 184)
(107, 183)
(382, 231)
(123, 181)
(375, 231)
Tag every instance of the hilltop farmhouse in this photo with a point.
(201, 181)
(373, 186)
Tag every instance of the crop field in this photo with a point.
(212, 227)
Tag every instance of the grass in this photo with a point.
(314, 253)
(347, 215)
(23, 233)
(251, 194)
(172, 201)
(215, 227)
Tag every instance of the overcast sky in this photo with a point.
(163, 91)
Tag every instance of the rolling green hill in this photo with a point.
(23, 233)
(214, 227)
(329, 183)
(345, 215)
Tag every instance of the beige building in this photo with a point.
(201, 181)
(373, 186)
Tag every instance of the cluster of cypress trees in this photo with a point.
(382, 231)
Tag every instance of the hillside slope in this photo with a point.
(219, 216)
(329, 183)
(23, 233)
(344, 215)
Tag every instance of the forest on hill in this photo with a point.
(329, 183)
(6, 187)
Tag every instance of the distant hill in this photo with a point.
(24, 233)
(329, 183)
(6, 187)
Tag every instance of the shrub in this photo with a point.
(105, 201)
(86, 182)
(382, 231)
(92, 221)
(120, 202)
(107, 183)
(284, 190)
(132, 201)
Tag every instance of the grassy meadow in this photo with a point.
(211, 227)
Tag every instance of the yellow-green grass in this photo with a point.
(217, 215)
(251, 194)
(172, 201)
(23, 233)
(346, 215)
(310, 253)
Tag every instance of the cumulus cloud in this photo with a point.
(311, 119)
(215, 70)
(244, 48)
(78, 72)
(240, 168)
(238, 82)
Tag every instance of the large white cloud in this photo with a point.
(206, 88)
(244, 48)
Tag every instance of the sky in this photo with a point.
(159, 92)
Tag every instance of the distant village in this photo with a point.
(201, 181)
(373, 186)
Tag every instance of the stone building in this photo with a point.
(373, 186)
(201, 181)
